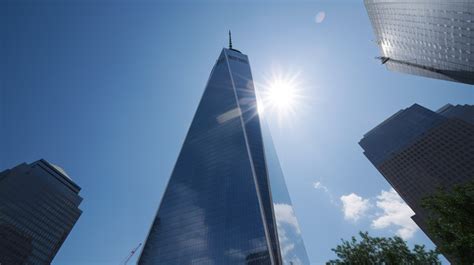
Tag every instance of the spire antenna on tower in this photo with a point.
(230, 40)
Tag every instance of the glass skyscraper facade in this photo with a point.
(418, 150)
(226, 201)
(431, 38)
(38, 208)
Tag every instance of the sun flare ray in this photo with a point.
(280, 95)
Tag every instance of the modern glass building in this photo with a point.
(431, 38)
(418, 150)
(38, 208)
(226, 201)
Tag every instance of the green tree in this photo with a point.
(381, 250)
(451, 222)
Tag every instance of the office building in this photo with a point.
(226, 201)
(418, 150)
(38, 208)
(431, 38)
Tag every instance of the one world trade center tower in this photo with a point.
(226, 201)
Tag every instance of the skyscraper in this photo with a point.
(430, 38)
(38, 208)
(226, 201)
(418, 150)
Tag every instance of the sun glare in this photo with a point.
(280, 95)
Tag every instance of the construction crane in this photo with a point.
(127, 259)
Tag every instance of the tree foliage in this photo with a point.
(381, 250)
(451, 222)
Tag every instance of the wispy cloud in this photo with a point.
(395, 212)
(319, 186)
(354, 206)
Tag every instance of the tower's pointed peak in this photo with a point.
(230, 43)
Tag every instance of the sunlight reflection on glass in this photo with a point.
(260, 107)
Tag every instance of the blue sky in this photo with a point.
(108, 90)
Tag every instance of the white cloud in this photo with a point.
(395, 212)
(354, 206)
(288, 231)
(284, 214)
(285, 243)
(287, 247)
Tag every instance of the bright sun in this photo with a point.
(281, 95)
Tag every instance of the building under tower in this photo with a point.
(38, 208)
(226, 201)
(418, 150)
